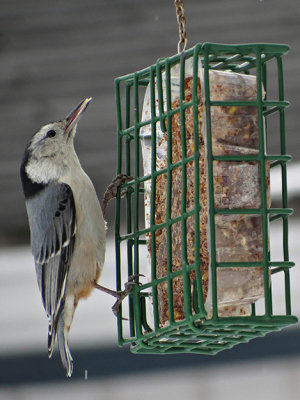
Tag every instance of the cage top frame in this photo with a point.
(237, 58)
(269, 50)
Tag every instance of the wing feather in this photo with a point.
(53, 229)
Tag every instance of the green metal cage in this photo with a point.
(200, 331)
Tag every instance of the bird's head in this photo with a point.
(51, 149)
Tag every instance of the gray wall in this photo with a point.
(54, 53)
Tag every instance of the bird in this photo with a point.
(67, 226)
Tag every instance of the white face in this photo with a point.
(51, 150)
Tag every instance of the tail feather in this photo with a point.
(62, 340)
(52, 329)
(52, 335)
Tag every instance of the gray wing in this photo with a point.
(52, 219)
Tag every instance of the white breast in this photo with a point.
(89, 250)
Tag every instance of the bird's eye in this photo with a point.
(51, 133)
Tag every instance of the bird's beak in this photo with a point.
(73, 118)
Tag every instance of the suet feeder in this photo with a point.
(194, 132)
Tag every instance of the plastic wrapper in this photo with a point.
(237, 185)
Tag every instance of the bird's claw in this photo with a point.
(111, 191)
(122, 294)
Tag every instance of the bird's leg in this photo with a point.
(120, 294)
(111, 191)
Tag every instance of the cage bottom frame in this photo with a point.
(206, 336)
(196, 333)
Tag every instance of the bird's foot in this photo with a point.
(111, 191)
(120, 294)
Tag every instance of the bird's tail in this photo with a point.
(52, 329)
(52, 335)
(59, 326)
(62, 340)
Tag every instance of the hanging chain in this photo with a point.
(181, 22)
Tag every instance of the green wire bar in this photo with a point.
(201, 330)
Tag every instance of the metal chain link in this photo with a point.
(179, 5)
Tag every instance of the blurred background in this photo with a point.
(52, 55)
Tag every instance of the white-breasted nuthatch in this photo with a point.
(66, 225)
